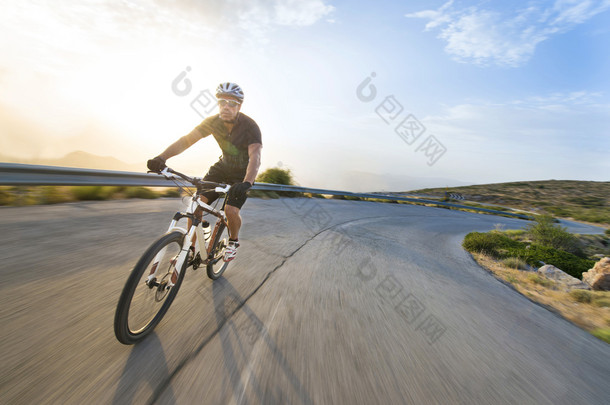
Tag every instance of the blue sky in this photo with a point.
(506, 91)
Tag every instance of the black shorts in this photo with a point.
(222, 173)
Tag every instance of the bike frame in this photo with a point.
(195, 229)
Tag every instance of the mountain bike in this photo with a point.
(157, 276)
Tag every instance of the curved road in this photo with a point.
(328, 302)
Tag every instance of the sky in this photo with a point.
(358, 96)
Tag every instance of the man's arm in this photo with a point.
(181, 144)
(254, 153)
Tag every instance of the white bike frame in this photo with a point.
(197, 231)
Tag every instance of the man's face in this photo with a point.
(229, 108)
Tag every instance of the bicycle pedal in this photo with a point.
(152, 282)
(196, 262)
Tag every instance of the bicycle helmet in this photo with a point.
(230, 89)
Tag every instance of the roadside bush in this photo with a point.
(55, 195)
(275, 175)
(18, 196)
(494, 244)
(514, 232)
(93, 193)
(601, 302)
(602, 333)
(141, 192)
(546, 233)
(6, 197)
(571, 264)
(172, 192)
(583, 296)
(500, 246)
(515, 263)
(512, 279)
(537, 279)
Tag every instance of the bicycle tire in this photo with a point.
(127, 328)
(216, 266)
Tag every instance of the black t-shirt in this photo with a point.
(234, 144)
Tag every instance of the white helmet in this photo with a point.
(230, 89)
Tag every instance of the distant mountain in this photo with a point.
(83, 160)
(581, 200)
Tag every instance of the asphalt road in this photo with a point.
(328, 302)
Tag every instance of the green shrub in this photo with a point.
(494, 244)
(571, 264)
(545, 232)
(500, 246)
(601, 302)
(537, 279)
(7, 197)
(141, 192)
(583, 296)
(172, 192)
(558, 211)
(597, 216)
(515, 263)
(602, 333)
(55, 195)
(514, 232)
(18, 196)
(93, 193)
(512, 279)
(588, 201)
(276, 175)
(607, 231)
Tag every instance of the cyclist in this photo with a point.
(239, 138)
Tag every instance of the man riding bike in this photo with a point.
(239, 138)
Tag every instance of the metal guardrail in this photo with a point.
(15, 174)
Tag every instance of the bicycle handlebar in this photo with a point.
(193, 180)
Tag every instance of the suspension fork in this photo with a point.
(186, 245)
(159, 256)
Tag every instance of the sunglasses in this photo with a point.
(231, 103)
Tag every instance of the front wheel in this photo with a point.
(145, 300)
(215, 265)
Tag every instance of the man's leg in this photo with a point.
(232, 210)
(234, 220)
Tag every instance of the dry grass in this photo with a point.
(585, 201)
(591, 316)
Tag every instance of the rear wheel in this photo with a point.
(145, 301)
(216, 266)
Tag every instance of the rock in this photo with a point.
(562, 278)
(599, 276)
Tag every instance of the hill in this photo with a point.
(82, 159)
(587, 201)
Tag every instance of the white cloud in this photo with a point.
(505, 38)
(300, 13)
(560, 135)
(70, 24)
